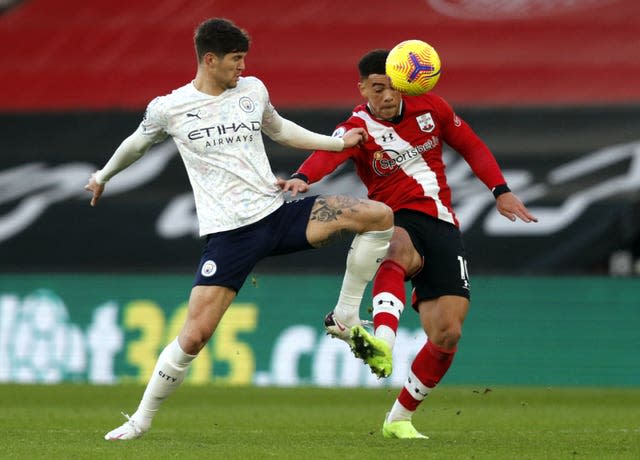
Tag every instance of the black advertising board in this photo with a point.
(577, 169)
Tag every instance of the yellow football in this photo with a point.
(413, 67)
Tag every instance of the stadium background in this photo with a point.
(93, 294)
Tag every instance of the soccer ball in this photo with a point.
(413, 67)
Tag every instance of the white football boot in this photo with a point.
(341, 331)
(128, 430)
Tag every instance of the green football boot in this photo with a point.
(373, 351)
(401, 429)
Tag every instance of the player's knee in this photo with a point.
(194, 340)
(448, 338)
(451, 338)
(380, 216)
(387, 216)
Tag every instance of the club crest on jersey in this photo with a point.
(425, 122)
(247, 104)
(383, 164)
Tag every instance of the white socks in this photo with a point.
(399, 412)
(365, 255)
(170, 370)
(387, 334)
(385, 302)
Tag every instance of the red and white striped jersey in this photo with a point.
(401, 163)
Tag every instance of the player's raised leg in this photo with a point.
(388, 300)
(333, 216)
(402, 262)
(388, 304)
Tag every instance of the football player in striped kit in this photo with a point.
(401, 165)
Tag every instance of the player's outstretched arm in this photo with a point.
(288, 133)
(129, 151)
(510, 206)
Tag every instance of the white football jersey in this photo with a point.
(220, 141)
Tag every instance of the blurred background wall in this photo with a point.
(553, 87)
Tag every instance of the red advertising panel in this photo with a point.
(74, 54)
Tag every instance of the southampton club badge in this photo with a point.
(425, 122)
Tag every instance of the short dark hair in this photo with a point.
(220, 36)
(373, 63)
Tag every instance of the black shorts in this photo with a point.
(228, 257)
(440, 244)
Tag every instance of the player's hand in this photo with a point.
(354, 137)
(94, 188)
(294, 186)
(511, 207)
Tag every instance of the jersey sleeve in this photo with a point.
(270, 116)
(322, 162)
(154, 122)
(288, 133)
(151, 130)
(461, 137)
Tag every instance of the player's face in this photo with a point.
(227, 70)
(384, 101)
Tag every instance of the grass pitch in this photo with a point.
(69, 422)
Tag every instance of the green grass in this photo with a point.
(69, 422)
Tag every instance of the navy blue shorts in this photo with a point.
(228, 257)
(441, 246)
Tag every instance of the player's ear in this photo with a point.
(210, 59)
(362, 87)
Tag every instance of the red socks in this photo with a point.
(388, 295)
(429, 366)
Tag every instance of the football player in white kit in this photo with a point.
(217, 121)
